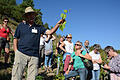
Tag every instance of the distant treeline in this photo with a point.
(15, 11)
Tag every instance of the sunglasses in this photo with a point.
(5, 21)
(69, 37)
(107, 52)
(78, 45)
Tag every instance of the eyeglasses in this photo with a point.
(69, 37)
(78, 45)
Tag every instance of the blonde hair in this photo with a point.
(70, 35)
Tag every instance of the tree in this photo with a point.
(46, 25)
(38, 19)
(28, 3)
(6, 6)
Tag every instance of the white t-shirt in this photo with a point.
(69, 47)
(95, 56)
(42, 41)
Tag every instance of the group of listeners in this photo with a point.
(29, 41)
(74, 65)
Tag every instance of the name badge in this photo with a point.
(34, 30)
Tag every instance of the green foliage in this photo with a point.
(118, 51)
(2, 51)
(63, 16)
(12, 58)
(39, 78)
(59, 77)
(14, 11)
(28, 3)
(38, 19)
(65, 11)
(46, 25)
(61, 27)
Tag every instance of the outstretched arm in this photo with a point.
(56, 27)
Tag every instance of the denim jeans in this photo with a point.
(82, 72)
(48, 59)
(95, 74)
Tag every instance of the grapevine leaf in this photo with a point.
(64, 23)
(65, 11)
(60, 27)
(63, 26)
(62, 15)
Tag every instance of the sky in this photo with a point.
(95, 20)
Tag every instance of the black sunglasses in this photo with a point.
(78, 45)
(69, 37)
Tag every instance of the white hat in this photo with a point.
(29, 10)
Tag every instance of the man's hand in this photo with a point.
(61, 21)
(53, 30)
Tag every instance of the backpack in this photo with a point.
(88, 63)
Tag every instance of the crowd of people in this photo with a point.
(33, 46)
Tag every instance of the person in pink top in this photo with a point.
(4, 38)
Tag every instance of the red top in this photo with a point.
(4, 33)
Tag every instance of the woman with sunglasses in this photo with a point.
(4, 38)
(68, 44)
(76, 61)
(114, 64)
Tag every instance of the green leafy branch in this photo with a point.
(63, 16)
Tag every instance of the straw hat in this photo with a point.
(29, 10)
